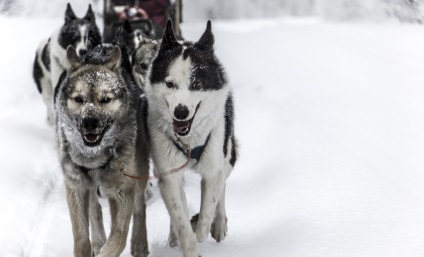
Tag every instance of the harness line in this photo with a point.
(144, 178)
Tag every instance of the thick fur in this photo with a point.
(50, 60)
(142, 58)
(101, 132)
(187, 85)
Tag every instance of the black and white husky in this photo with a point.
(50, 60)
(191, 107)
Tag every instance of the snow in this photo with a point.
(330, 123)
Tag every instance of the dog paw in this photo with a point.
(95, 248)
(219, 228)
(201, 230)
(139, 250)
(193, 222)
(172, 239)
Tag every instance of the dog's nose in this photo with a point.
(90, 123)
(82, 52)
(181, 112)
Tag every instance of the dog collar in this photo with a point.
(196, 152)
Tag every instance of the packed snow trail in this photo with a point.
(330, 123)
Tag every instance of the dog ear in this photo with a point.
(206, 41)
(114, 62)
(92, 39)
(73, 58)
(168, 40)
(90, 15)
(69, 14)
(127, 27)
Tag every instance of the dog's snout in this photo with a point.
(90, 124)
(181, 112)
(82, 52)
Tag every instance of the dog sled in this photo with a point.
(147, 16)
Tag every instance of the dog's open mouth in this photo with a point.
(182, 128)
(93, 139)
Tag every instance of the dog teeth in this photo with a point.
(92, 141)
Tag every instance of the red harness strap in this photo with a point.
(162, 174)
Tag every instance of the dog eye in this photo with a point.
(169, 84)
(105, 100)
(143, 66)
(197, 85)
(78, 99)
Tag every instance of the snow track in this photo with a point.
(331, 128)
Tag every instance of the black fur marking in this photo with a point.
(69, 13)
(37, 74)
(45, 55)
(207, 40)
(168, 40)
(92, 39)
(161, 63)
(229, 117)
(233, 151)
(206, 70)
(169, 50)
(89, 16)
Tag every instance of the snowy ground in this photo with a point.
(330, 118)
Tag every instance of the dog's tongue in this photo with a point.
(180, 127)
(91, 137)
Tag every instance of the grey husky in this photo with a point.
(191, 115)
(101, 133)
(142, 58)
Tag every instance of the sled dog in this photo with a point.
(50, 59)
(142, 58)
(101, 133)
(190, 113)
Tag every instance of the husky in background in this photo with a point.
(101, 133)
(142, 58)
(141, 50)
(50, 59)
(191, 107)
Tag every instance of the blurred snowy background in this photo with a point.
(377, 10)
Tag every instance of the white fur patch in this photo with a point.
(81, 44)
(179, 74)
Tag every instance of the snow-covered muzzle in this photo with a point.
(92, 131)
(95, 104)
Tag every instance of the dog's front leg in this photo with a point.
(171, 191)
(139, 246)
(219, 225)
(211, 193)
(78, 203)
(98, 235)
(121, 209)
